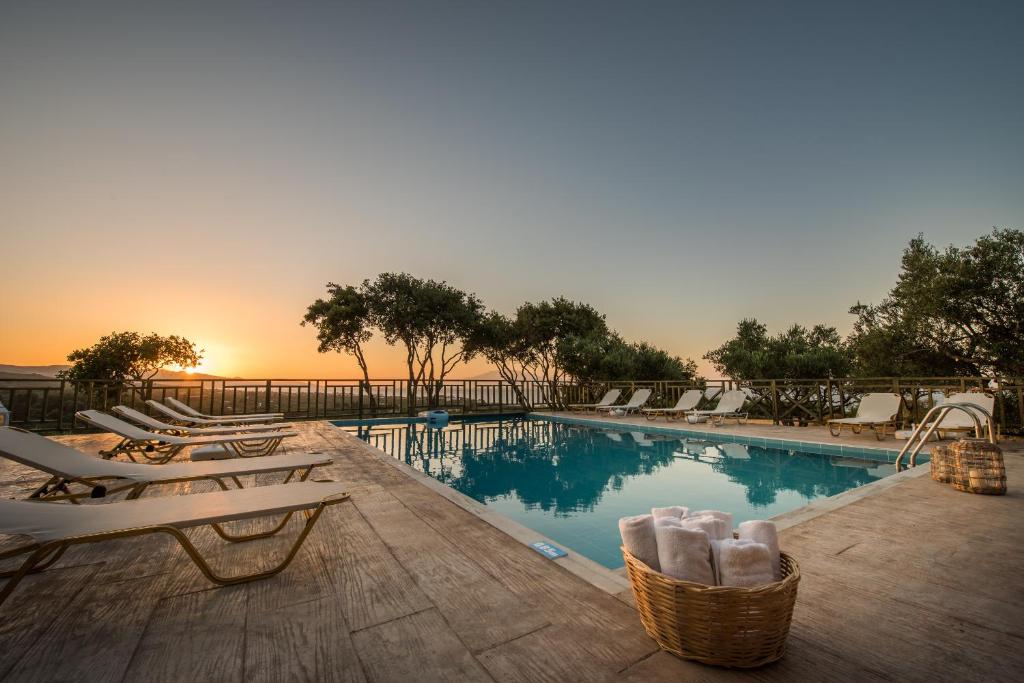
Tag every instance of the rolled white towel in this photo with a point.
(717, 514)
(670, 511)
(638, 537)
(716, 529)
(668, 521)
(763, 531)
(684, 554)
(742, 563)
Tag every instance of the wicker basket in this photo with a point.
(720, 625)
(942, 465)
(978, 467)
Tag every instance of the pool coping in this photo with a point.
(614, 581)
(817, 447)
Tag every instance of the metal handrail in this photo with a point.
(940, 411)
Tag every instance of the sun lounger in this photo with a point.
(687, 402)
(730, 407)
(203, 418)
(155, 425)
(70, 468)
(635, 403)
(959, 421)
(610, 397)
(877, 412)
(163, 447)
(54, 527)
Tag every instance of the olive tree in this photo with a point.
(343, 324)
(431, 319)
(958, 311)
(120, 358)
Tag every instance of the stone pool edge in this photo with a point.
(614, 581)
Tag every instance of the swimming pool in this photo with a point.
(572, 482)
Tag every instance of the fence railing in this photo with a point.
(50, 405)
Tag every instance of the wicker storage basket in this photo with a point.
(720, 625)
(942, 465)
(978, 467)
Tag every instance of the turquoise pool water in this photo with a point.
(572, 482)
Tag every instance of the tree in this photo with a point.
(797, 353)
(433, 320)
(551, 341)
(121, 357)
(953, 312)
(539, 344)
(344, 324)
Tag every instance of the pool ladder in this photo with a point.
(914, 443)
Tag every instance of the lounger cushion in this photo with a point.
(54, 521)
(215, 452)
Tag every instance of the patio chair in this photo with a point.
(959, 421)
(635, 403)
(155, 425)
(203, 418)
(729, 407)
(70, 467)
(162, 447)
(877, 412)
(687, 402)
(610, 397)
(55, 527)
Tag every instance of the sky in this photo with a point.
(205, 169)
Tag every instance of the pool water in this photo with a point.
(573, 482)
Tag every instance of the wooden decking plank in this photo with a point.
(198, 636)
(608, 627)
(900, 638)
(418, 647)
(371, 584)
(95, 636)
(37, 602)
(469, 598)
(556, 654)
(306, 641)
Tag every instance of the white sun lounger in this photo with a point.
(203, 418)
(54, 527)
(877, 412)
(730, 407)
(163, 447)
(687, 402)
(71, 467)
(610, 397)
(959, 421)
(635, 403)
(155, 425)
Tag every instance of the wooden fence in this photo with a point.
(50, 405)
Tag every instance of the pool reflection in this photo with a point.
(564, 469)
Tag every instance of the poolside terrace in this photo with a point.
(914, 581)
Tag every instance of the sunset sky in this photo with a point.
(205, 171)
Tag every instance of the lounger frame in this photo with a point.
(41, 556)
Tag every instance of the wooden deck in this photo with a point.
(915, 582)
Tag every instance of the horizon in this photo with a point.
(206, 171)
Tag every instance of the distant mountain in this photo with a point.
(43, 371)
(50, 372)
(493, 374)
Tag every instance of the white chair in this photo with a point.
(70, 467)
(877, 412)
(163, 447)
(687, 402)
(635, 403)
(730, 407)
(610, 397)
